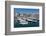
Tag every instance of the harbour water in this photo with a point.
(29, 24)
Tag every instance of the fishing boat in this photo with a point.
(22, 21)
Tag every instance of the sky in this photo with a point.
(26, 10)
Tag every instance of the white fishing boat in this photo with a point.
(29, 19)
(34, 20)
(22, 21)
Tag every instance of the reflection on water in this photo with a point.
(34, 23)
